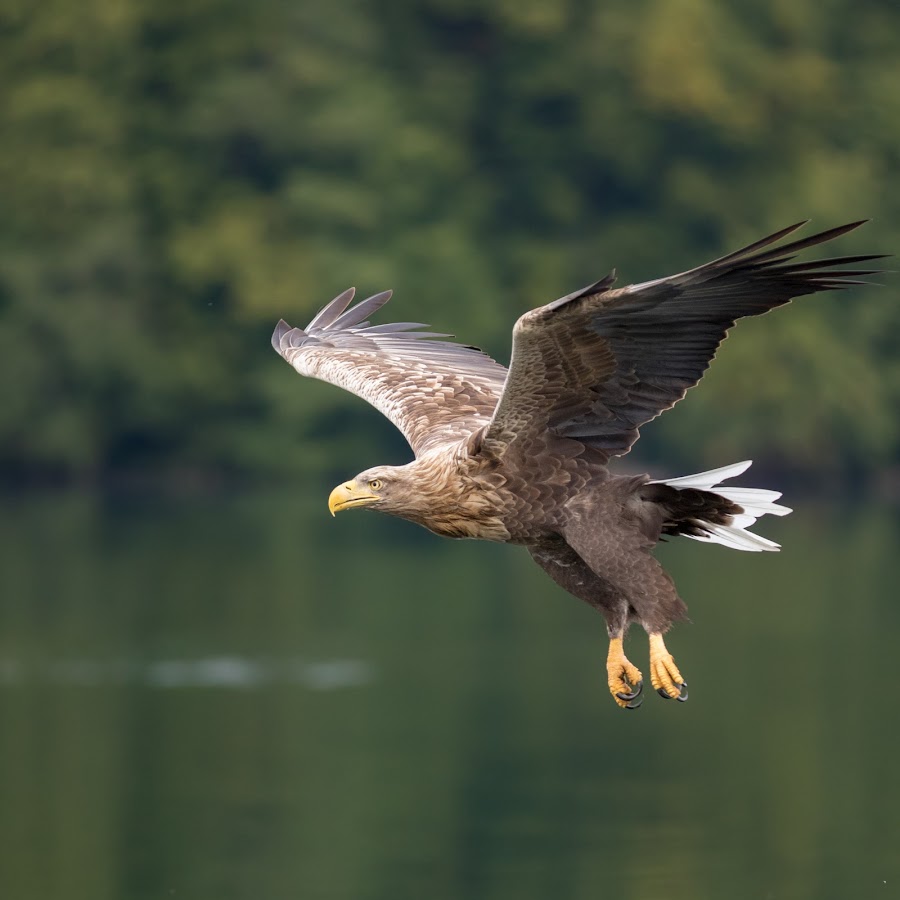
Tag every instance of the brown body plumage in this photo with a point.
(521, 456)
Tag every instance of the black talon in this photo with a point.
(682, 693)
(634, 705)
(638, 688)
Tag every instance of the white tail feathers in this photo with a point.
(754, 501)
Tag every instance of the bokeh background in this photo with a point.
(177, 176)
(208, 689)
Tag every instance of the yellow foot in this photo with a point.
(664, 673)
(624, 679)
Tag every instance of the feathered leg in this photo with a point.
(571, 572)
(622, 558)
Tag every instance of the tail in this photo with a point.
(705, 512)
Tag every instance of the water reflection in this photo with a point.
(212, 672)
(244, 699)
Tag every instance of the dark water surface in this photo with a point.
(245, 699)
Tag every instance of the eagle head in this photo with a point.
(384, 488)
(429, 491)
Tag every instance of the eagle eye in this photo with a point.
(376, 484)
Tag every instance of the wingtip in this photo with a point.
(845, 229)
(281, 329)
(332, 310)
(356, 315)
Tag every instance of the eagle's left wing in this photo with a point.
(597, 364)
(436, 392)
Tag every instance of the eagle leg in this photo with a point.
(664, 673)
(623, 677)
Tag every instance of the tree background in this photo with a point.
(177, 176)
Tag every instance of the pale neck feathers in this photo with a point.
(446, 495)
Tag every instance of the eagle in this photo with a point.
(521, 455)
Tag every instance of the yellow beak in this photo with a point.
(348, 495)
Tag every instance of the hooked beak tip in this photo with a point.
(349, 495)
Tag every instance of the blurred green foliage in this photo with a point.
(178, 175)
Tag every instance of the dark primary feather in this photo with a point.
(599, 363)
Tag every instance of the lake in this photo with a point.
(243, 698)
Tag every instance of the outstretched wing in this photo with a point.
(599, 363)
(436, 392)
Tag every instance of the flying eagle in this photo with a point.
(521, 455)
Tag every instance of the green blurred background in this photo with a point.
(176, 176)
(210, 689)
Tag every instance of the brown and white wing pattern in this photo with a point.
(597, 364)
(436, 392)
